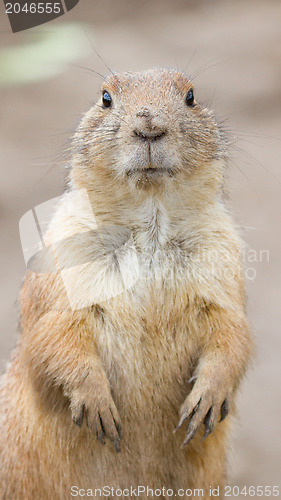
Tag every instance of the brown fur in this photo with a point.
(129, 359)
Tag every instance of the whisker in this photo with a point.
(90, 70)
(248, 180)
(189, 61)
(99, 56)
(254, 160)
(207, 67)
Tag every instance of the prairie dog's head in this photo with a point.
(146, 131)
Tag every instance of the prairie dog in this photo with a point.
(107, 368)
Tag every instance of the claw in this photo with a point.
(117, 446)
(224, 410)
(100, 437)
(192, 379)
(189, 436)
(117, 425)
(119, 430)
(100, 429)
(208, 425)
(194, 424)
(183, 419)
(186, 414)
(79, 420)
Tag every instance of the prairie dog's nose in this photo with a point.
(144, 112)
(147, 127)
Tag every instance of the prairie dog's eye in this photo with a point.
(189, 97)
(106, 99)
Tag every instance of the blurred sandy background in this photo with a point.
(236, 48)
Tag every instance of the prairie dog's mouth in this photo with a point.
(149, 136)
(151, 171)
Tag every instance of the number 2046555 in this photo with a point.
(252, 491)
(33, 8)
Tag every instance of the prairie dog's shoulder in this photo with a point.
(73, 214)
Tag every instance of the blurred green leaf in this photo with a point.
(46, 57)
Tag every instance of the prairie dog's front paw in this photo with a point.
(92, 402)
(205, 404)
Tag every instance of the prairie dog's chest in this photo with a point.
(155, 292)
(147, 330)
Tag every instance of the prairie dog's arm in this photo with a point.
(222, 364)
(59, 346)
(228, 346)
